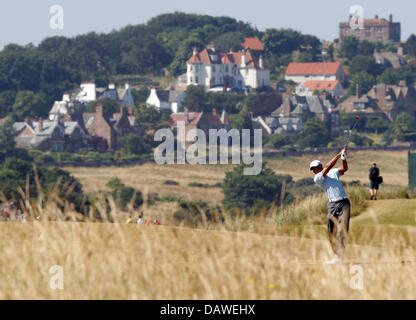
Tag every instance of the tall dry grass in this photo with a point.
(129, 261)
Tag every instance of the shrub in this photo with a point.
(171, 183)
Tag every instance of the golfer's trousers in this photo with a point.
(338, 224)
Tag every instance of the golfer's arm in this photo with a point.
(344, 167)
(330, 164)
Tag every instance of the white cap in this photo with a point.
(314, 163)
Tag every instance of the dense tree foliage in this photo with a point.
(364, 80)
(314, 134)
(404, 127)
(251, 193)
(280, 44)
(195, 99)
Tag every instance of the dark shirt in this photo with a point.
(374, 173)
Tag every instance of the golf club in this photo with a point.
(357, 118)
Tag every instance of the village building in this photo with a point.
(76, 101)
(296, 106)
(383, 100)
(166, 100)
(49, 135)
(300, 72)
(278, 125)
(373, 30)
(105, 130)
(389, 59)
(217, 68)
(311, 87)
(200, 120)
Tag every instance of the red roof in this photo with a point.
(375, 21)
(296, 68)
(320, 85)
(224, 58)
(252, 43)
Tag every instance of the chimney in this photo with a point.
(40, 125)
(111, 86)
(243, 58)
(130, 110)
(185, 116)
(214, 112)
(376, 16)
(357, 91)
(211, 46)
(99, 110)
(391, 18)
(195, 51)
(123, 110)
(127, 85)
(231, 50)
(65, 97)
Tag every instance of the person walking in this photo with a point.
(373, 175)
(339, 207)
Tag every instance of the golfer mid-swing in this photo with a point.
(338, 205)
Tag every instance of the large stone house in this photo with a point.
(200, 120)
(49, 135)
(301, 72)
(383, 100)
(244, 69)
(170, 100)
(105, 131)
(373, 30)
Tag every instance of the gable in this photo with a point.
(26, 132)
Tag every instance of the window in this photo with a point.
(190, 79)
(368, 33)
(213, 79)
(196, 79)
(226, 69)
(359, 105)
(213, 68)
(196, 69)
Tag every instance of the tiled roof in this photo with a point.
(320, 85)
(169, 95)
(297, 68)
(252, 43)
(193, 117)
(224, 58)
(375, 21)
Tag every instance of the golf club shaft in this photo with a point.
(350, 133)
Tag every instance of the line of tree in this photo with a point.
(32, 77)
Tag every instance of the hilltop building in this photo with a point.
(301, 72)
(242, 70)
(374, 30)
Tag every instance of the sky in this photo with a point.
(25, 21)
